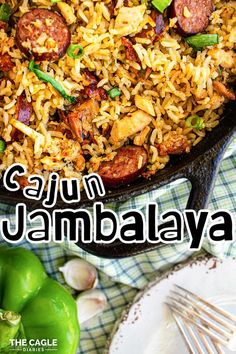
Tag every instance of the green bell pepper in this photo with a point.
(34, 306)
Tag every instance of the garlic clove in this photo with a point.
(89, 304)
(79, 274)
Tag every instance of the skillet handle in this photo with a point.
(203, 175)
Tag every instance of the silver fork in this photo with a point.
(205, 327)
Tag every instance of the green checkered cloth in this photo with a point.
(121, 279)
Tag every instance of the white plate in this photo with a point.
(148, 327)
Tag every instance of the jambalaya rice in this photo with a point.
(167, 82)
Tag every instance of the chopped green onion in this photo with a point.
(161, 5)
(55, 1)
(114, 92)
(200, 41)
(75, 51)
(2, 145)
(5, 12)
(47, 78)
(195, 122)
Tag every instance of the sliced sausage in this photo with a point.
(42, 34)
(192, 15)
(6, 63)
(129, 163)
(174, 144)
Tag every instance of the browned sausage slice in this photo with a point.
(127, 165)
(192, 15)
(42, 35)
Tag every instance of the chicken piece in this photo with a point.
(144, 104)
(129, 125)
(6, 63)
(173, 144)
(129, 19)
(79, 114)
(129, 52)
(223, 90)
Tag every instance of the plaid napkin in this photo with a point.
(121, 279)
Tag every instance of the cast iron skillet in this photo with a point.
(200, 167)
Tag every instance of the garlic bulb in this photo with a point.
(79, 274)
(89, 304)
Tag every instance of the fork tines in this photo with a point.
(197, 317)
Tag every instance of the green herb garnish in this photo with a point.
(3, 145)
(114, 92)
(35, 68)
(195, 122)
(161, 5)
(5, 12)
(75, 51)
